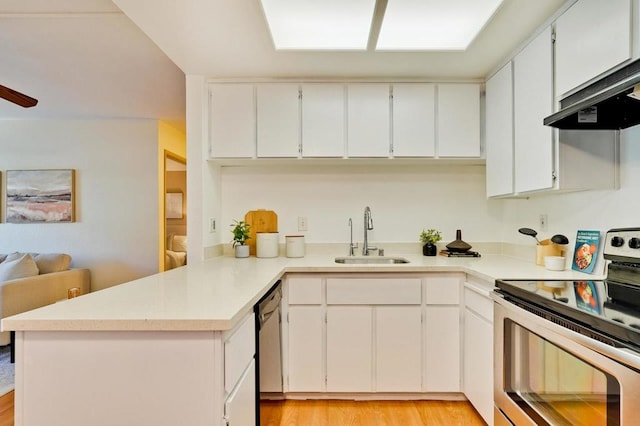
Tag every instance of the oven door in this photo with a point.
(546, 374)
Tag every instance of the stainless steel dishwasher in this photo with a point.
(269, 347)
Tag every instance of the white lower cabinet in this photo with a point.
(374, 349)
(361, 334)
(240, 374)
(398, 348)
(442, 339)
(305, 345)
(442, 357)
(478, 350)
(349, 349)
(239, 407)
(306, 349)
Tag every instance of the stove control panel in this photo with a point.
(622, 244)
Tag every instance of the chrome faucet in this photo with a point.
(352, 247)
(368, 226)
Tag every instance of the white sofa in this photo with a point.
(29, 281)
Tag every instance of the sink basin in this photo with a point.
(371, 260)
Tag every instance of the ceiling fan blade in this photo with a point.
(17, 97)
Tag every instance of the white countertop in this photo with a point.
(213, 295)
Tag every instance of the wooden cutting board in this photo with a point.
(260, 221)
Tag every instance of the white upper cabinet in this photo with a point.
(368, 120)
(323, 120)
(278, 120)
(458, 113)
(499, 132)
(413, 120)
(232, 124)
(592, 37)
(533, 101)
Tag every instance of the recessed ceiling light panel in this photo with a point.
(319, 24)
(433, 24)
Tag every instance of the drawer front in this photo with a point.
(305, 291)
(374, 291)
(478, 303)
(443, 289)
(239, 349)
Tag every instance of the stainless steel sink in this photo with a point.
(371, 260)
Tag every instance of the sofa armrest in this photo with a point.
(25, 294)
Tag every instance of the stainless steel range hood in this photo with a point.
(607, 104)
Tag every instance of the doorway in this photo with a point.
(175, 212)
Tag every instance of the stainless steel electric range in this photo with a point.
(568, 352)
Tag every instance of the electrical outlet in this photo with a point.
(544, 222)
(212, 225)
(302, 223)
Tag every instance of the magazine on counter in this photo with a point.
(586, 251)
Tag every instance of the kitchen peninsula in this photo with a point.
(176, 347)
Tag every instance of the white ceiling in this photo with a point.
(85, 58)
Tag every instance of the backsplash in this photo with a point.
(403, 201)
(597, 210)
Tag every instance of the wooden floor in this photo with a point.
(6, 409)
(339, 413)
(369, 413)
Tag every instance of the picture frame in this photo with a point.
(173, 205)
(40, 196)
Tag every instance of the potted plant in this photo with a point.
(240, 236)
(429, 238)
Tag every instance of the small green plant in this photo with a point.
(430, 236)
(240, 232)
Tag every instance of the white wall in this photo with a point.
(406, 199)
(116, 229)
(403, 201)
(597, 210)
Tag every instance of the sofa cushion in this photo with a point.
(52, 262)
(13, 256)
(179, 243)
(18, 265)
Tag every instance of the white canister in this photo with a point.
(267, 244)
(295, 245)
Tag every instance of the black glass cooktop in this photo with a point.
(609, 308)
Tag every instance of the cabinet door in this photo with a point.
(306, 372)
(442, 346)
(458, 120)
(278, 129)
(533, 100)
(349, 349)
(232, 121)
(478, 363)
(240, 405)
(368, 118)
(413, 120)
(398, 348)
(592, 37)
(499, 132)
(323, 120)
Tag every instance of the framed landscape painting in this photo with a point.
(40, 196)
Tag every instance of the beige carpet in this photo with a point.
(7, 370)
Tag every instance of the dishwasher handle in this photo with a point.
(269, 305)
(264, 316)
